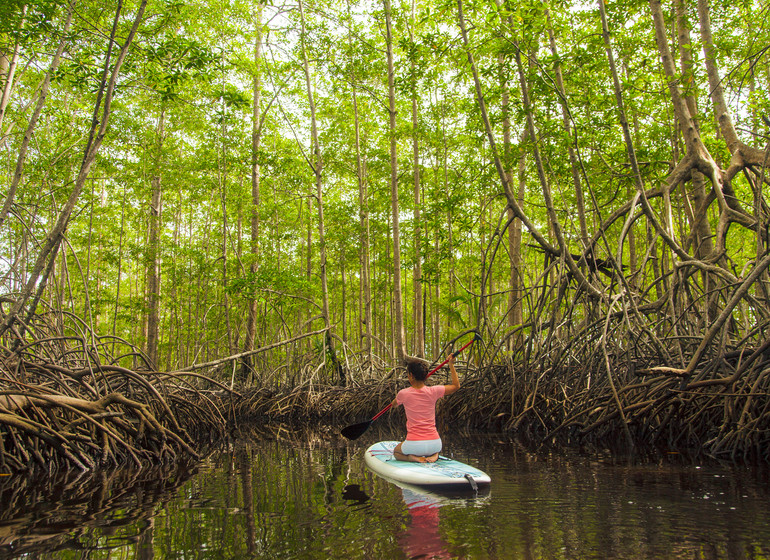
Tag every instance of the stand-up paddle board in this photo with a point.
(445, 472)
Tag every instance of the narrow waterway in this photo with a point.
(310, 496)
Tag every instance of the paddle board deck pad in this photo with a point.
(444, 473)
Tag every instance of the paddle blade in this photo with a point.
(355, 431)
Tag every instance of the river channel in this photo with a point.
(309, 495)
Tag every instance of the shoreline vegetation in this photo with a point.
(67, 403)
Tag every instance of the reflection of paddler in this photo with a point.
(422, 538)
(414, 499)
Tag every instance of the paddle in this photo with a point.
(356, 430)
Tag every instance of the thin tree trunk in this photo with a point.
(309, 241)
(441, 179)
(550, 250)
(153, 273)
(363, 205)
(419, 322)
(120, 261)
(566, 120)
(224, 255)
(316, 164)
(399, 338)
(700, 234)
(154, 247)
(696, 151)
(343, 295)
(436, 310)
(87, 310)
(553, 221)
(222, 176)
(515, 311)
(174, 331)
(256, 140)
(517, 274)
(8, 74)
(634, 166)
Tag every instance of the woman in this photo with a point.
(423, 443)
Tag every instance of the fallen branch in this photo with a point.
(242, 355)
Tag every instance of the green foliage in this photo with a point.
(173, 64)
(193, 64)
(272, 283)
(25, 20)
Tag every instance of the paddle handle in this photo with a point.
(381, 412)
(431, 372)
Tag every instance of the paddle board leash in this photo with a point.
(472, 482)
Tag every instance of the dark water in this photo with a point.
(310, 496)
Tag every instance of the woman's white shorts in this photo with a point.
(421, 448)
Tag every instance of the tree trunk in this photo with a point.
(550, 250)
(515, 308)
(435, 308)
(696, 156)
(120, 262)
(566, 120)
(256, 140)
(553, 221)
(316, 164)
(365, 289)
(515, 236)
(174, 329)
(225, 235)
(154, 250)
(418, 318)
(7, 74)
(399, 339)
(700, 229)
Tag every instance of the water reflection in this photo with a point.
(422, 537)
(105, 510)
(355, 494)
(312, 497)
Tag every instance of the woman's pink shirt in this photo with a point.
(420, 406)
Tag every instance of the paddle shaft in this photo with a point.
(434, 370)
